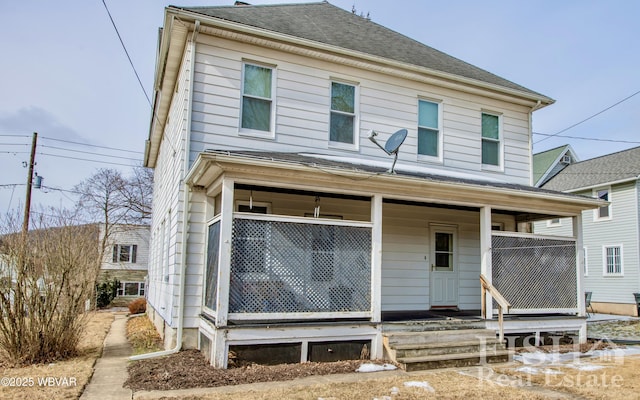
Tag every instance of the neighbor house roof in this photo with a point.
(617, 167)
(545, 163)
(325, 23)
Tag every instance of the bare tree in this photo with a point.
(47, 277)
(138, 195)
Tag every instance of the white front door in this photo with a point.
(444, 269)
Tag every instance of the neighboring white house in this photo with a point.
(275, 219)
(126, 259)
(611, 233)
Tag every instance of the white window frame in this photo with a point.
(270, 134)
(585, 262)
(554, 222)
(425, 157)
(596, 212)
(605, 271)
(356, 116)
(119, 253)
(500, 141)
(121, 290)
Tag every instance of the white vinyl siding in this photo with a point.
(384, 103)
(619, 231)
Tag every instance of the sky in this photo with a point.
(65, 75)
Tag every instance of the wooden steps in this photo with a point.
(463, 346)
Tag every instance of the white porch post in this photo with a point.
(224, 270)
(485, 254)
(376, 271)
(577, 234)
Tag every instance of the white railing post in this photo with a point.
(485, 258)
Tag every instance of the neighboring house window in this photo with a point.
(612, 260)
(490, 139)
(125, 253)
(429, 138)
(131, 289)
(604, 212)
(342, 126)
(585, 266)
(257, 97)
(554, 222)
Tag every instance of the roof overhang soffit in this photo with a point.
(209, 168)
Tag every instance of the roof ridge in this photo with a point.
(606, 155)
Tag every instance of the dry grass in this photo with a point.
(449, 384)
(77, 370)
(619, 379)
(142, 335)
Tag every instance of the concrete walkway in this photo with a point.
(111, 369)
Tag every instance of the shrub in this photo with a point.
(106, 292)
(138, 306)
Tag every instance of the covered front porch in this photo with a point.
(300, 254)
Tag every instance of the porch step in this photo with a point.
(444, 348)
(453, 360)
(431, 325)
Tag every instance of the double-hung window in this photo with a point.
(124, 253)
(612, 260)
(604, 212)
(342, 126)
(257, 98)
(491, 152)
(131, 289)
(429, 138)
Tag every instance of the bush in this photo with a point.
(106, 292)
(138, 306)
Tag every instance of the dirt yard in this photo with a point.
(60, 380)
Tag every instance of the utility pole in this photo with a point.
(27, 203)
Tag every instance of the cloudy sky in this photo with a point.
(65, 75)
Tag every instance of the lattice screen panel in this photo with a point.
(284, 267)
(534, 273)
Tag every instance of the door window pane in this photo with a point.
(444, 251)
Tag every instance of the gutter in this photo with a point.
(185, 219)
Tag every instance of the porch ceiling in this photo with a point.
(304, 172)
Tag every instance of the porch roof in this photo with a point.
(318, 172)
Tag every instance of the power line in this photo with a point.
(25, 136)
(91, 153)
(126, 52)
(588, 118)
(91, 145)
(585, 138)
(85, 159)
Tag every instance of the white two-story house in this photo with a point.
(277, 221)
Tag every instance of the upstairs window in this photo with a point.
(257, 98)
(124, 253)
(343, 113)
(429, 142)
(604, 212)
(490, 140)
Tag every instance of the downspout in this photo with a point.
(185, 219)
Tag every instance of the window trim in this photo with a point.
(596, 212)
(605, 273)
(425, 157)
(117, 253)
(120, 292)
(500, 141)
(355, 146)
(256, 133)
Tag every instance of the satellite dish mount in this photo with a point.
(392, 145)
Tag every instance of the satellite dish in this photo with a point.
(392, 145)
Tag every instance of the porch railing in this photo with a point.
(536, 273)
(502, 303)
(299, 268)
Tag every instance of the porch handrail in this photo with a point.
(502, 303)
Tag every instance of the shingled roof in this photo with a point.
(330, 25)
(616, 167)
